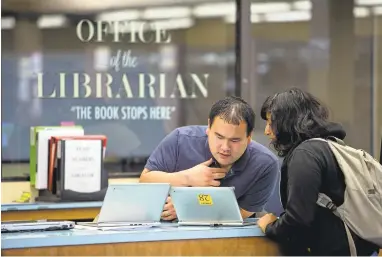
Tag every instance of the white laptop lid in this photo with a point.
(35, 225)
(207, 205)
(134, 203)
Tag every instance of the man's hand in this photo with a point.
(264, 221)
(202, 175)
(168, 210)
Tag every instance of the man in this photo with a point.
(220, 154)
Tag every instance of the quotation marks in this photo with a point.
(123, 112)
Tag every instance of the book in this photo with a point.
(33, 151)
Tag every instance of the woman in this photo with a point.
(309, 167)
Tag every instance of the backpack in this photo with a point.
(361, 211)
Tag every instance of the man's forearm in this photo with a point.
(175, 179)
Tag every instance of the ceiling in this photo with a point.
(86, 6)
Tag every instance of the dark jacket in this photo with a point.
(308, 169)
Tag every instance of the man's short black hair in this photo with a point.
(233, 110)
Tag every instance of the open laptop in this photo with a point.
(207, 206)
(35, 225)
(139, 204)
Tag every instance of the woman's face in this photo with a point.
(268, 128)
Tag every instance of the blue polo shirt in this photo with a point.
(254, 175)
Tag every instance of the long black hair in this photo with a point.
(295, 117)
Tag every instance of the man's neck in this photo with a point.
(217, 164)
(227, 167)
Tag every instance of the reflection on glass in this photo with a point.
(291, 51)
(139, 82)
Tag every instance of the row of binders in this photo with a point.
(64, 159)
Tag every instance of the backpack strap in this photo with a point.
(337, 140)
(325, 201)
(332, 138)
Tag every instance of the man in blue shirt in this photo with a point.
(220, 154)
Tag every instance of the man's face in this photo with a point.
(227, 142)
(268, 128)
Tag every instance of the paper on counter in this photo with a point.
(124, 228)
(113, 228)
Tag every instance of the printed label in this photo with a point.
(205, 199)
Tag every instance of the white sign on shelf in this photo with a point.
(83, 165)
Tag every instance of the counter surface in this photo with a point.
(165, 232)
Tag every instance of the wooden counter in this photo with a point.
(164, 241)
(201, 247)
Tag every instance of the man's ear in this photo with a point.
(208, 127)
(249, 138)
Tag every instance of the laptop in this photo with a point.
(207, 206)
(138, 204)
(35, 225)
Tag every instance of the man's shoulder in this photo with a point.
(192, 131)
(261, 154)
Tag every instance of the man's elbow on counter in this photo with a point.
(143, 176)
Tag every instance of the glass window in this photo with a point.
(154, 69)
(329, 48)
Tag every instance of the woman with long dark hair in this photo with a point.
(309, 167)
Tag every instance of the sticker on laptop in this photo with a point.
(205, 199)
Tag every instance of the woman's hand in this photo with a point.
(264, 221)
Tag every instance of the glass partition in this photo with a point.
(133, 75)
(329, 48)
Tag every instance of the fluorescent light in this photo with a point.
(8, 22)
(255, 18)
(51, 21)
(230, 19)
(173, 24)
(369, 2)
(119, 15)
(270, 7)
(168, 60)
(126, 26)
(302, 5)
(377, 10)
(360, 12)
(214, 10)
(165, 24)
(287, 16)
(166, 12)
(101, 59)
